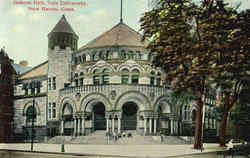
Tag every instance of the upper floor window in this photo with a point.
(108, 55)
(152, 78)
(81, 79)
(123, 54)
(125, 76)
(96, 77)
(106, 76)
(49, 111)
(54, 83)
(54, 110)
(49, 84)
(135, 76)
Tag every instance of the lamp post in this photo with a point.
(34, 84)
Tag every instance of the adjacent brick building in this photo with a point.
(7, 75)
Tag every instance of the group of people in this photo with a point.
(115, 136)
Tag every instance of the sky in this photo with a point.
(23, 32)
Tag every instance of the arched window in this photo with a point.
(158, 80)
(125, 76)
(152, 78)
(96, 77)
(135, 76)
(105, 77)
(31, 112)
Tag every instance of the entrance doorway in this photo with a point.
(99, 116)
(129, 116)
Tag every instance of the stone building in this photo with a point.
(7, 76)
(108, 84)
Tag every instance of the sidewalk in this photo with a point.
(118, 150)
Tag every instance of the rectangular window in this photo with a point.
(49, 111)
(49, 83)
(54, 83)
(125, 79)
(54, 110)
(38, 87)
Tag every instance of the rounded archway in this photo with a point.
(129, 116)
(67, 116)
(98, 114)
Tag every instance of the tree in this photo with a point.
(193, 56)
(179, 52)
(232, 68)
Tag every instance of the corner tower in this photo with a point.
(63, 36)
(62, 42)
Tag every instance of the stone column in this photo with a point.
(119, 125)
(75, 126)
(150, 125)
(62, 127)
(107, 124)
(83, 126)
(79, 127)
(113, 124)
(145, 125)
(155, 125)
(172, 127)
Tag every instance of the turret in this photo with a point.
(63, 36)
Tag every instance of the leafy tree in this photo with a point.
(215, 50)
(232, 67)
(169, 27)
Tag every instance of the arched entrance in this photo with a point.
(67, 115)
(98, 114)
(129, 116)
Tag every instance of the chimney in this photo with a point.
(23, 63)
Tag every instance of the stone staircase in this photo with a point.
(98, 138)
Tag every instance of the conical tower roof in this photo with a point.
(63, 27)
(120, 35)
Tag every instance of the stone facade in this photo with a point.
(108, 84)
